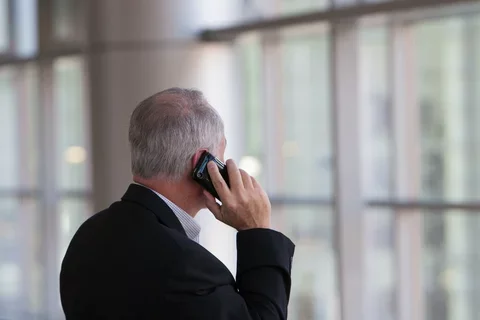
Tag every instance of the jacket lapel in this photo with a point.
(152, 202)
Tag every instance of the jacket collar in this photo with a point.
(150, 201)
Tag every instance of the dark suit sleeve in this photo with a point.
(262, 289)
(264, 263)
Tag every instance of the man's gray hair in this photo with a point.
(167, 129)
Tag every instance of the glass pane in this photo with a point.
(376, 1)
(255, 145)
(314, 279)
(4, 26)
(18, 128)
(379, 264)
(302, 6)
(304, 118)
(448, 102)
(21, 286)
(9, 124)
(344, 3)
(71, 124)
(68, 24)
(26, 27)
(474, 25)
(377, 135)
(451, 261)
(72, 213)
(254, 10)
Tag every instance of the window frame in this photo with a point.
(406, 205)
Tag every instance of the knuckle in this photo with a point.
(244, 198)
(233, 207)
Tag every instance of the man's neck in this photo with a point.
(177, 192)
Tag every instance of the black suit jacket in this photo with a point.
(134, 261)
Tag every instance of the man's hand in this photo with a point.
(245, 205)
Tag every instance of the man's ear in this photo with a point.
(197, 156)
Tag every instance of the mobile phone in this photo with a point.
(200, 173)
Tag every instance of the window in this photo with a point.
(377, 113)
(437, 164)
(377, 166)
(303, 118)
(68, 21)
(71, 147)
(447, 105)
(45, 165)
(314, 280)
(418, 94)
(20, 202)
(4, 27)
(282, 122)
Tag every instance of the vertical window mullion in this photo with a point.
(349, 209)
(408, 224)
(48, 185)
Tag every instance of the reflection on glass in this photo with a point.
(376, 113)
(447, 93)
(71, 124)
(451, 261)
(379, 264)
(21, 287)
(304, 119)
(75, 155)
(314, 287)
(251, 165)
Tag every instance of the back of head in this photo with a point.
(167, 129)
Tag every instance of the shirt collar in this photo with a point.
(191, 227)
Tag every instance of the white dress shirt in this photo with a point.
(191, 227)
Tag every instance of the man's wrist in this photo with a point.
(254, 227)
(263, 247)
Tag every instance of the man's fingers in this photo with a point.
(218, 182)
(247, 180)
(255, 184)
(211, 204)
(234, 175)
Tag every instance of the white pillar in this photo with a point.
(144, 46)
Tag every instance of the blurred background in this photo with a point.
(360, 118)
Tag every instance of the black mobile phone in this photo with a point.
(200, 172)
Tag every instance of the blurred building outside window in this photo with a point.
(441, 67)
(425, 70)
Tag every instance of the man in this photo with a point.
(140, 258)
